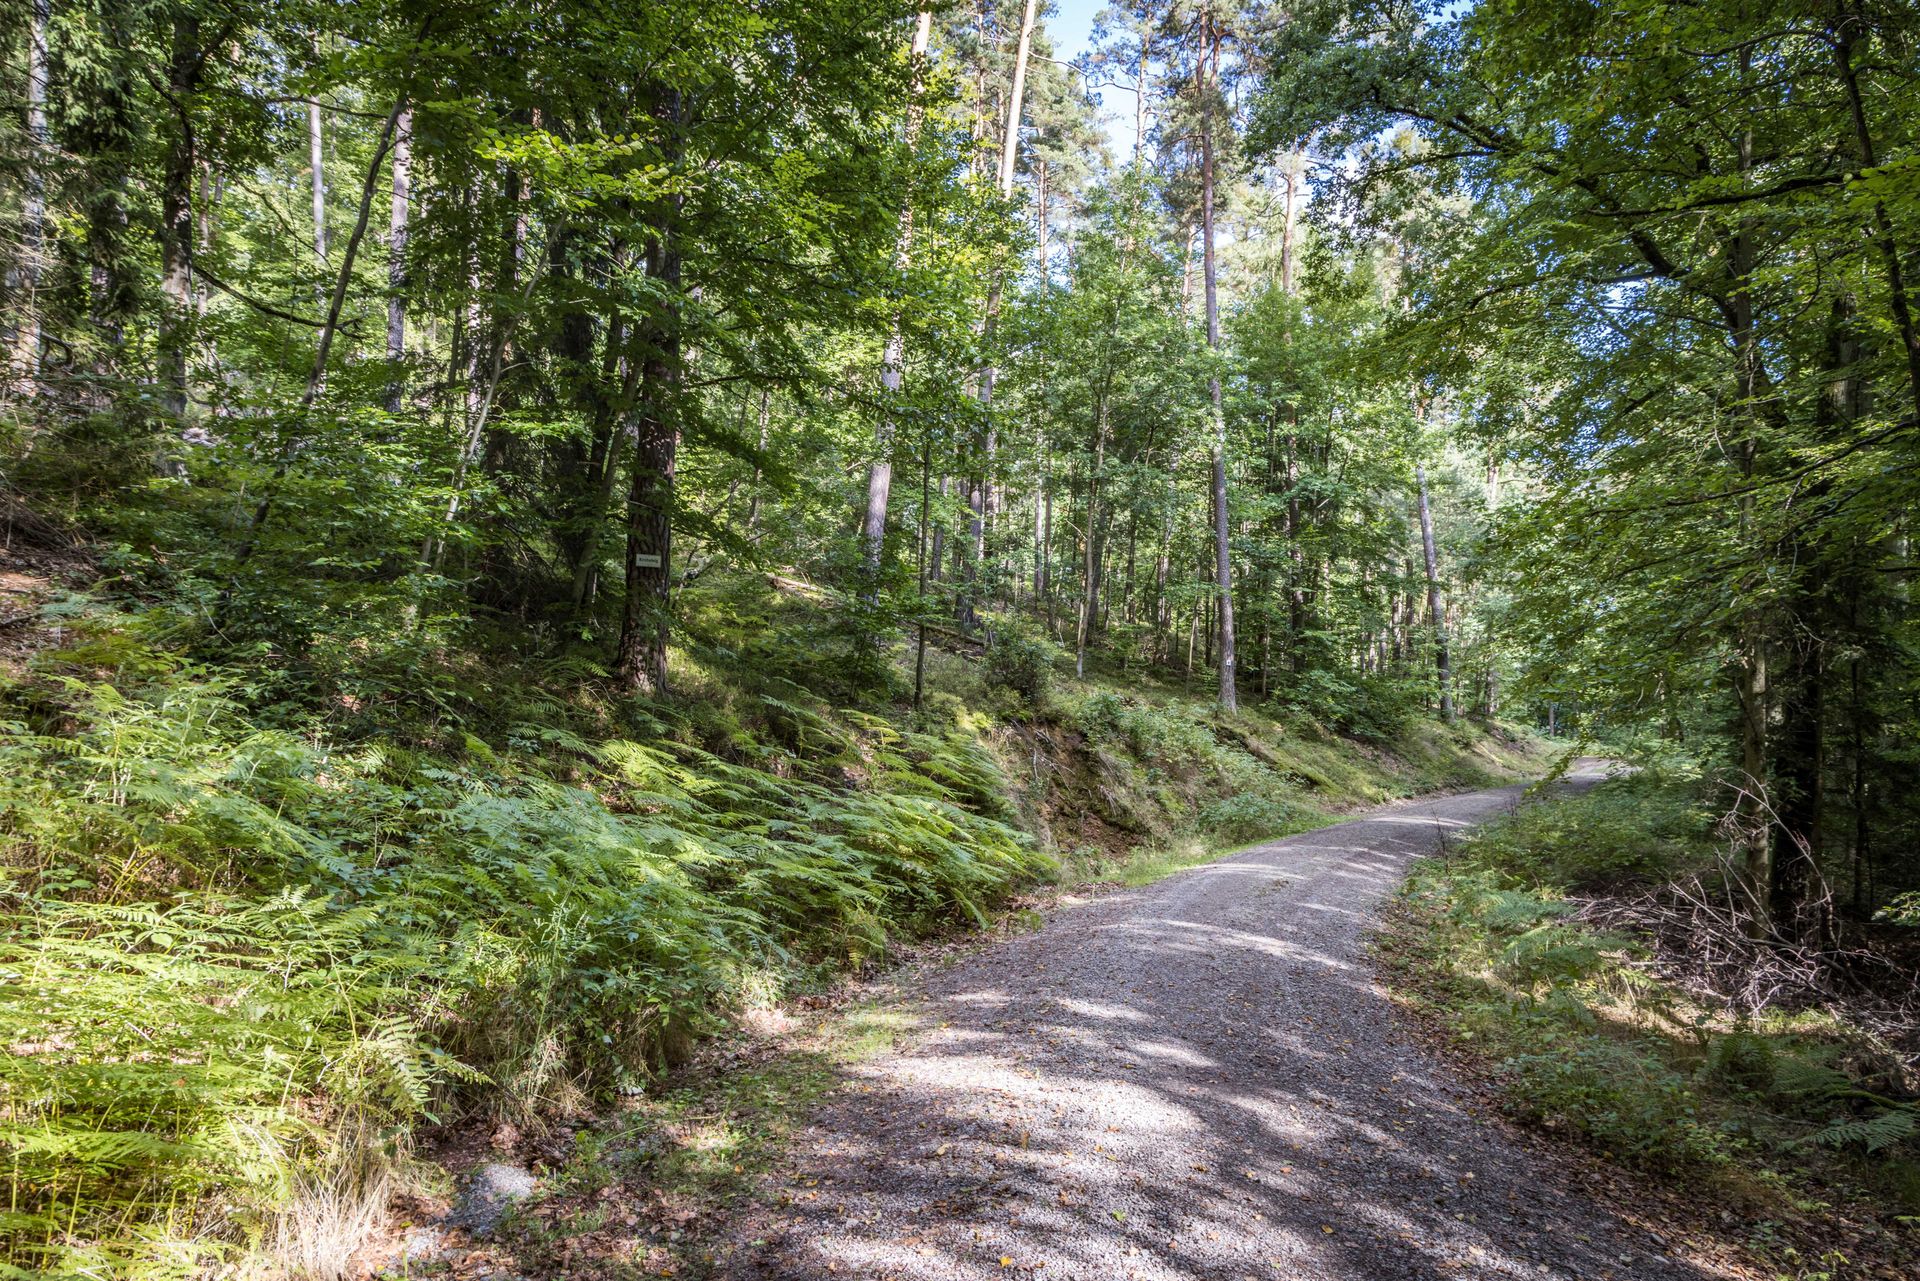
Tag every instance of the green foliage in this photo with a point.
(1020, 661)
(1904, 909)
(1625, 1100)
(1585, 1036)
(221, 941)
(1250, 816)
(1874, 1123)
(1164, 737)
(200, 1050)
(1873, 1133)
(1677, 343)
(1641, 829)
(1371, 706)
(1525, 985)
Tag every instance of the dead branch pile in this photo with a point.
(1703, 939)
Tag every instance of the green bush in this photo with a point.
(1248, 817)
(1171, 739)
(1524, 979)
(1021, 662)
(1377, 708)
(1631, 830)
(1904, 909)
(1584, 1038)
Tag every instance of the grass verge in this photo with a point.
(1781, 1128)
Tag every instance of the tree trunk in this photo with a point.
(873, 522)
(316, 165)
(1223, 568)
(1801, 907)
(1756, 831)
(336, 300)
(1844, 32)
(1090, 559)
(23, 283)
(1140, 94)
(980, 490)
(1442, 665)
(1291, 176)
(184, 66)
(1800, 779)
(1042, 494)
(640, 657)
(1010, 142)
(936, 562)
(759, 452)
(397, 260)
(1857, 788)
(926, 512)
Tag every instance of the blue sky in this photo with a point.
(1071, 25)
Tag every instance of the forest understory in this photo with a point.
(487, 988)
(542, 540)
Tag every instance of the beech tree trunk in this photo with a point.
(1756, 831)
(640, 661)
(640, 657)
(1845, 32)
(753, 488)
(316, 163)
(184, 65)
(1092, 549)
(1442, 664)
(397, 258)
(873, 522)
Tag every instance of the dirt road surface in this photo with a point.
(1198, 1079)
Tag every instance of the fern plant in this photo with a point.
(1885, 1123)
(225, 948)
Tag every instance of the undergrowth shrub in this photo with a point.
(1374, 707)
(1584, 1034)
(224, 946)
(1245, 817)
(1525, 984)
(1627, 1101)
(1634, 830)
(1153, 735)
(1020, 662)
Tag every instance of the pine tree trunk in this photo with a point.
(23, 280)
(978, 577)
(1223, 568)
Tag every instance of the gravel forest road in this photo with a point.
(1198, 1079)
